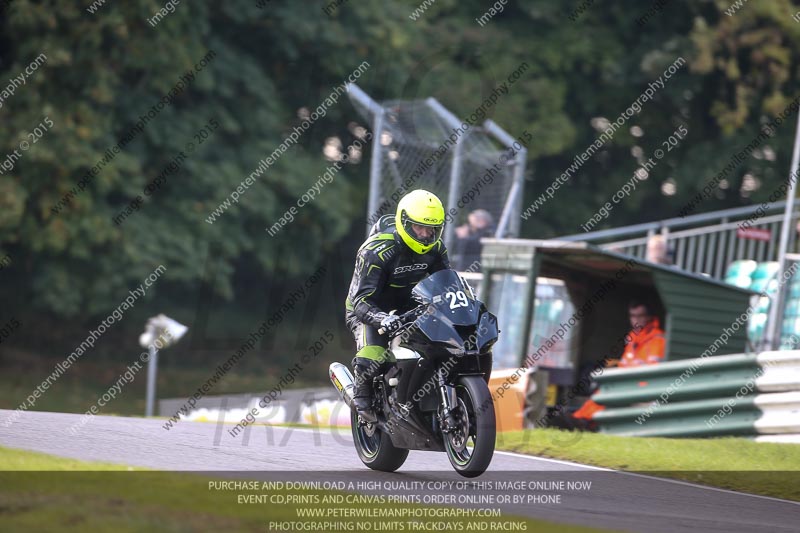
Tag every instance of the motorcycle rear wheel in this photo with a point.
(470, 447)
(374, 447)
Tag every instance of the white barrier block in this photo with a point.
(778, 357)
(781, 413)
(789, 438)
(326, 413)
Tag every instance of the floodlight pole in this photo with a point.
(159, 332)
(152, 366)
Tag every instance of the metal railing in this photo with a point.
(706, 243)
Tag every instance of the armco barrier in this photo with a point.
(743, 394)
(300, 405)
(291, 401)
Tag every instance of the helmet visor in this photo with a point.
(425, 234)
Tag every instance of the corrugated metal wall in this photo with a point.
(698, 313)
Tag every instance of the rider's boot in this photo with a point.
(364, 370)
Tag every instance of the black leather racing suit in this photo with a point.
(385, 272)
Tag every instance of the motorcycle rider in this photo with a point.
(393, 259)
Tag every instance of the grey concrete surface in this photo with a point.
(617, 501)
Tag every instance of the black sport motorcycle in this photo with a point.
(437, 397)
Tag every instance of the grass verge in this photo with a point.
(732, 462)
(79, 388)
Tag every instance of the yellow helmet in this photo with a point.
(420, 208)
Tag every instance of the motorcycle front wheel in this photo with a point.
(470, 444)
(374, 447)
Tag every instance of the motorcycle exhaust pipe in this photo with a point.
(343, 380)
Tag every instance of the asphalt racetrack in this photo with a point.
(617, 501)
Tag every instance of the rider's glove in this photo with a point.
(390, 323)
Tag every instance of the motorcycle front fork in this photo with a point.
(447, 394)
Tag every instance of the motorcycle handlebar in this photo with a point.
(405, 318)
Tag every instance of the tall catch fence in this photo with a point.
(419, 144)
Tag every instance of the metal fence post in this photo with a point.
(776, 310)
(375, 167)
(452, 193)
(509, 223)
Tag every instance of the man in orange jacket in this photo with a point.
(645, 346)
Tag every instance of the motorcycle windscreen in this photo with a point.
(452, 300)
